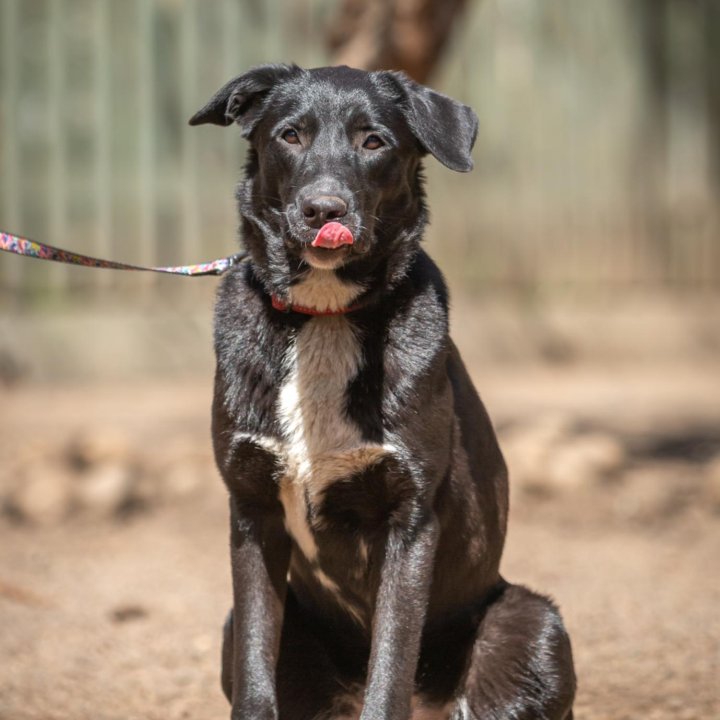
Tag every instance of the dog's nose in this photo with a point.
(323, 208)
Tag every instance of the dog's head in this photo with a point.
(333, 179)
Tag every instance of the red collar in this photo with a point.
(282, 306)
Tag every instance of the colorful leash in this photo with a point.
(30, 248)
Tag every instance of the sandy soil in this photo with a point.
(118, 618)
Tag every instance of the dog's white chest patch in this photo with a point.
(323, 290)
(322, 361)
(321, 443)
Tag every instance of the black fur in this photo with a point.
(431, 616)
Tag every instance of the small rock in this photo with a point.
(128, 613)
(528, 448)
(103, 489)
(712, 483)
(94, 447)
(42, 493)
(585, 459)
(182, 478)
(183, 466)
(202, 644)
(549, 455)
(147, 491)
(655, 492)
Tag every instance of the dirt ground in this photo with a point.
(112, 597)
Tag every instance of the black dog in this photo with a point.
(368, 495)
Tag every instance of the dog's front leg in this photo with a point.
(399, 617)
(260, 552)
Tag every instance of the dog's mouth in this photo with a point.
(327, 248)
(331, 246)
(332, 236)
(325, 258)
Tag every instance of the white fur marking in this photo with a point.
(332, 587)
(326, 582)
(322, 290)
(351, 699)
(421, 710)
(464, 707)
(293, 502)
(321, 444)
(266, 443)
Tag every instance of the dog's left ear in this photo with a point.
(444, 127)
(240, 100)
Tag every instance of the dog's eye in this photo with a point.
(373, 142)
(290, 136)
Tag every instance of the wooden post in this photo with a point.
(190, 237)
(146, 124)
(103, 130)
(11, 217)
(408, 35)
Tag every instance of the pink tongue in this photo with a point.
(332, 235)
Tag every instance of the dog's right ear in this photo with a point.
(240, 100)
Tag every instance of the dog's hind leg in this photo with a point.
(521, 664)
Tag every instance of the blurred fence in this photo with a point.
(568, 191)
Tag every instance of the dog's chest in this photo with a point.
(322, 360)
(321, 445)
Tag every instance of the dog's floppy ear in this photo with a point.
(444, 127)
(240, 100)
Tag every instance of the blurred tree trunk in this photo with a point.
(407, 35)
(652, 141)
(712, 85)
